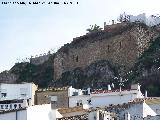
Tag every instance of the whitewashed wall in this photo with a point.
(135, 111)
(74, 99)
(19, 115)
(93, 115)
(104, 99)
(15, 91)
(155, 108)
(140, 111)
(42, 112)
(38, 112)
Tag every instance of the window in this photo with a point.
(89, 101)
(15, 106)
(76, 58)
(120, 45)
(20, 106)
(73, 58)
(2, 107)
(62, 62)
(6, 106)
(23, 95)
(79, 102)
(10, 106)
(108, 48)
(3, 94)
(23, 92)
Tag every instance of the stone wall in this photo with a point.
(121, 48)
(43, 97)
(40, 59)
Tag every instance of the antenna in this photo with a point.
(120, 84)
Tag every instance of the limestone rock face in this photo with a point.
(98, 72)
(7, 77)
(100, 69)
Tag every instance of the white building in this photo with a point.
(36, 112)
(101, 115)
(102, 98)
(137, 109)
(43, 112)
(150, 20)
(24, 91)
(20, 114)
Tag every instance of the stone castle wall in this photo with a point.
(39, 60)
(122, 49)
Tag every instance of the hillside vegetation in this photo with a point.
(42, 74)
(147, 69)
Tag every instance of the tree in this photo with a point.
(124, 18)
(94, 28)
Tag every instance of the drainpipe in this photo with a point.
(16, 115)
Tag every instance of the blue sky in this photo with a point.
(27, 30)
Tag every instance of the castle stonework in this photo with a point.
(120, 44)
(39, 60)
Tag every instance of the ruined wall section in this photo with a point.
(40, 59)
(121, 50)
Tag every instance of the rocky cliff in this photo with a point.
(96, 59)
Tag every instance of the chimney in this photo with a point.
(112, 22)
(53, 102)
(109, 87)
(145, 93)
(89, 91)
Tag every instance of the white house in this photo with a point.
(101, 115)
(18, 91)
(36, 112)
(18, 114)
(137, 109)
(102, 98)
(150, 20)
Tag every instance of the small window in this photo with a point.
(108, 48)
(15, 106)
(10, 106)
(76, 58)
(3, 94)
(23, 95)
(120, 45)
(20, 106)
(23, 92)
(62, 62)
(6, 106)
(89, 101)
(73, 58)
(2, 107)
(77, 104)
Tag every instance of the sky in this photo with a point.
(33, 29)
